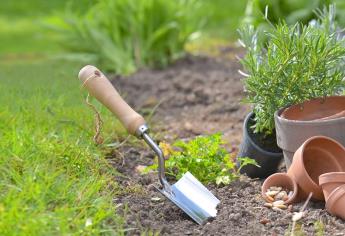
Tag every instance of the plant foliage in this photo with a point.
(297, 63)
(205, 158)
(124, 35)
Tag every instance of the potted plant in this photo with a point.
(319, 113)
(286, 65)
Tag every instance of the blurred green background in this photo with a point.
(24, 29)
(24, 23)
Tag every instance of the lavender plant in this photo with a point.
(290, 64)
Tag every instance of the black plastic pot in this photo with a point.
(268, 160)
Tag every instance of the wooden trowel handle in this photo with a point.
(101, 88)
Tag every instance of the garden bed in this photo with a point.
(197, 95)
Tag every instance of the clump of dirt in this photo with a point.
(197, 95)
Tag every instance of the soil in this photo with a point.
(196, 95)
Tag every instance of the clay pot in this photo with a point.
(335, 204)
(335, 116)
(280, 180)
(331, 181)
(316, 109)
(317, 155)
(321, 116)
(267, 160)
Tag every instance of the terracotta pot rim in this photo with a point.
(330, 177)
(304, 145)
(304, 122)
(335, 195)
(277, 154)
(321, 100)
(291, 179)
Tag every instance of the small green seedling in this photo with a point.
(319, 228)
(205, 157)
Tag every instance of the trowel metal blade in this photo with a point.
(193, 198)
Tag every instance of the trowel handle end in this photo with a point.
(100, 87)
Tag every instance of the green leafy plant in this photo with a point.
(205, 158)
(297, 63)
(124, 35)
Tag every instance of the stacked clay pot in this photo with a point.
(335, 204)
(318, 167)
(333, 187)
(320, 116)
(331, 181)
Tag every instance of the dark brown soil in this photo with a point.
(196, 95)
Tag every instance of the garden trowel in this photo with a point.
(187, 193)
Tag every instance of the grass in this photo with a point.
(22, 24)
(54, 180)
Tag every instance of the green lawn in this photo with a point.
(53, 179)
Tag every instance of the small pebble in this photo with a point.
(275, 188)
(281, 195)
(140, 168)
(272, 193)
(297, 216)
(264, 221)
(155, 199)
(279, 202)
(276, 209)
(283, 207)
(269, 198)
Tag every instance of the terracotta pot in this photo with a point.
(316, 109)
(335, 116)
(250, 147)
(280, 180)
(335, 204)
(291, 132)
(331, 181)
(318, 155)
